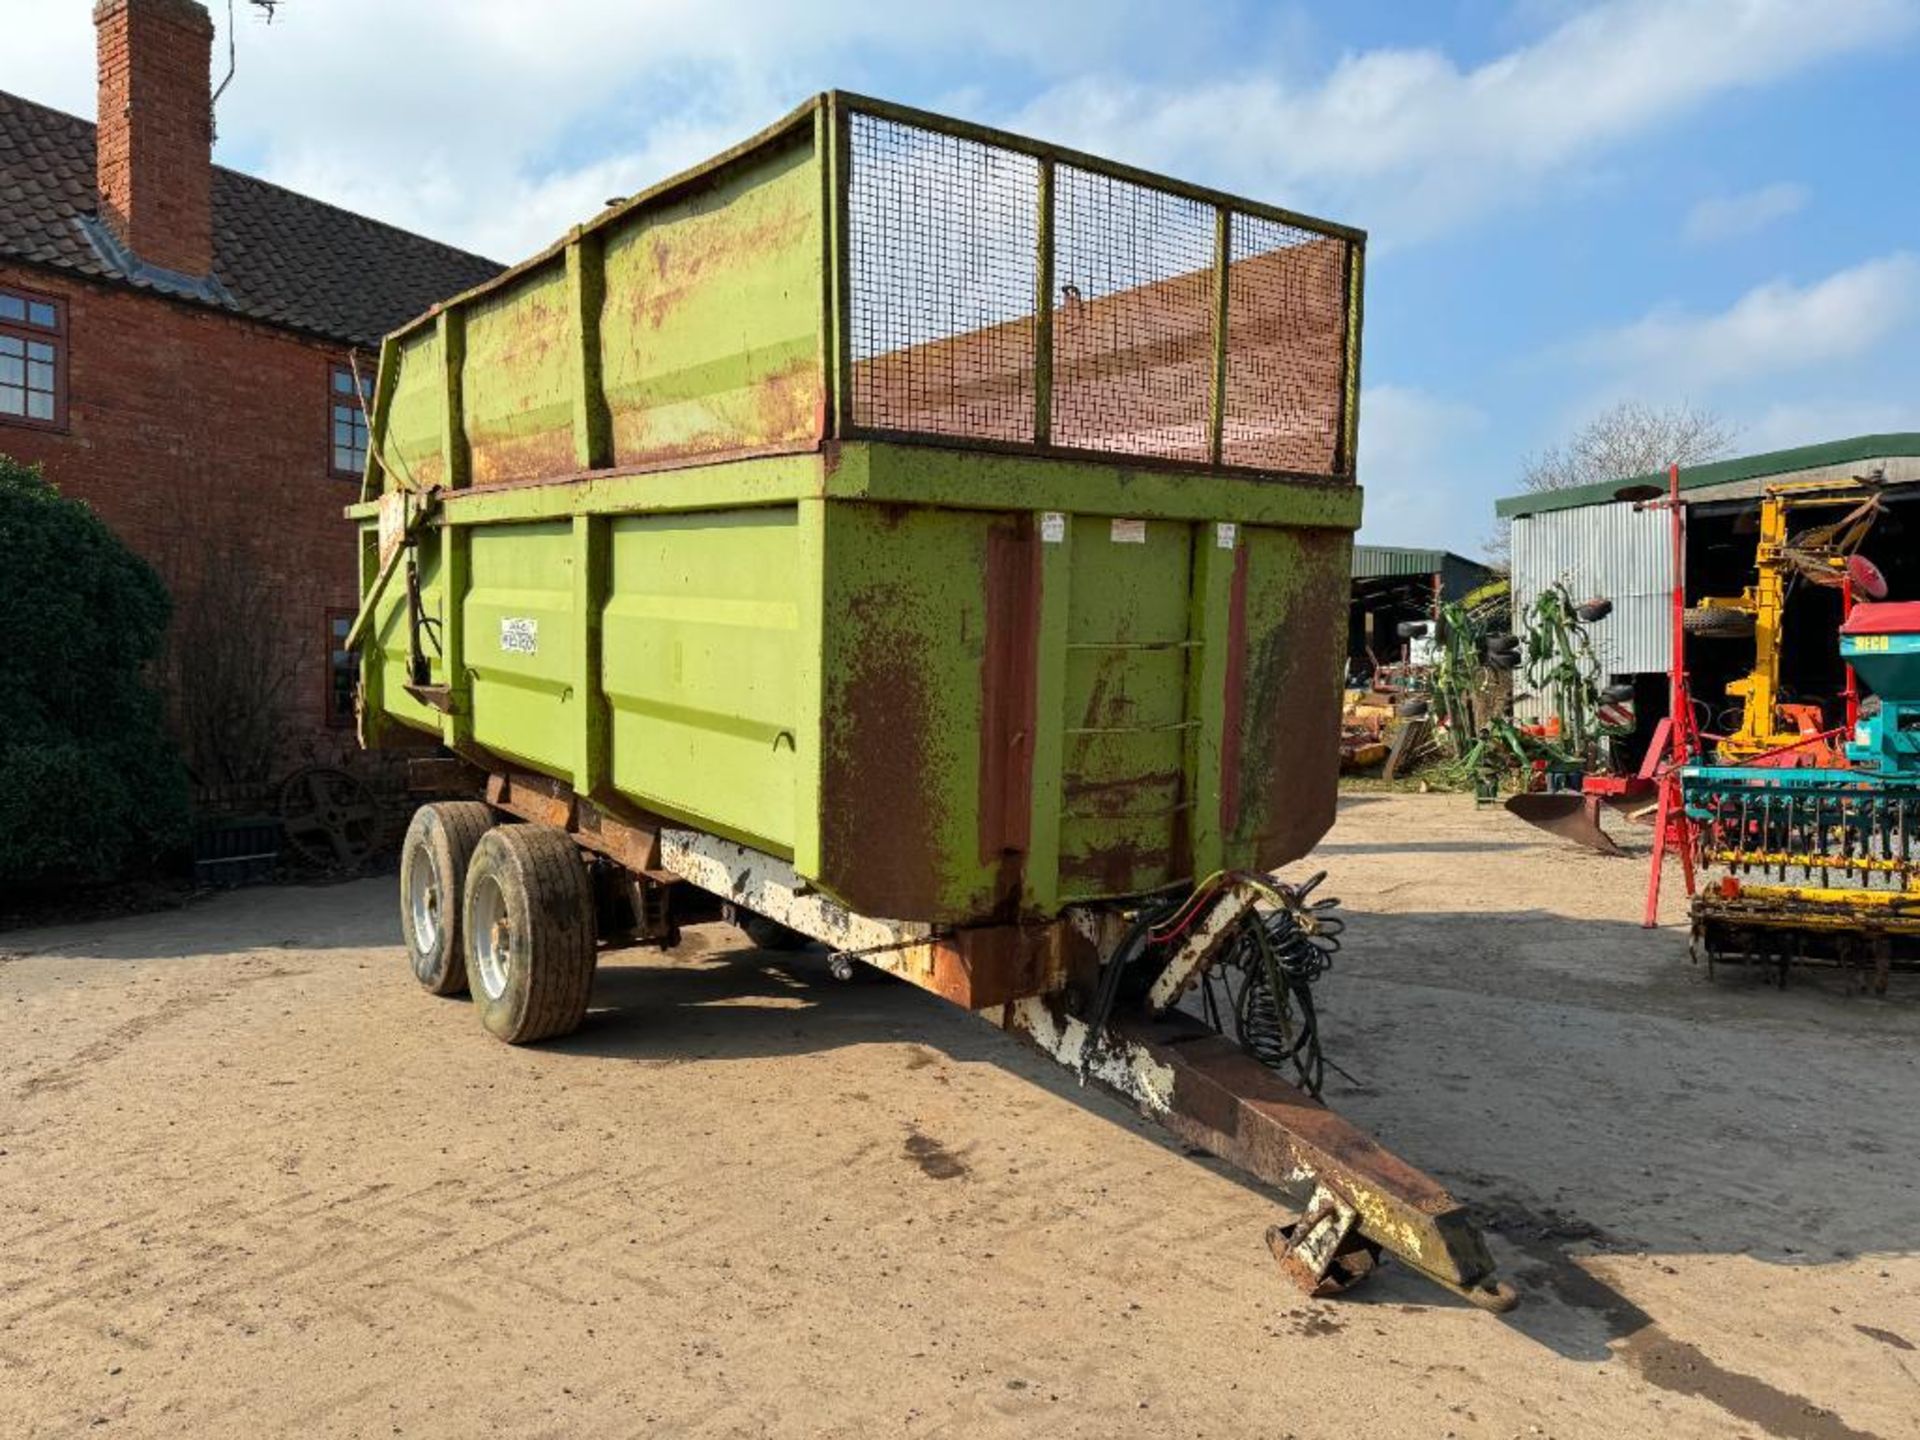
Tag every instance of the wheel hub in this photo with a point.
(492, 937)
(423, 903)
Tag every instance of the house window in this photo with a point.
(343, 669)
(33, 344)
(348, 437)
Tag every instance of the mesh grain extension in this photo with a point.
(945, 310)
(1133, 318)
(1286, 348)
(942, 254)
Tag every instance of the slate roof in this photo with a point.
(277, 256)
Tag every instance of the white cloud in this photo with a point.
(1410, 463)
(496, 124)
(1728, 217)
(1415, 143)
(1775, 328)
(1812, 422)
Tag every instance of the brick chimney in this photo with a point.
(155, 157)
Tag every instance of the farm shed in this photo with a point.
(1600, 545)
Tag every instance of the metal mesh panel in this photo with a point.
(1286, 347)
(942, 234)
(942, 270)
(1133, 318)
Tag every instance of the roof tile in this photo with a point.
(281, 256)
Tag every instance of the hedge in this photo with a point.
(91, 786)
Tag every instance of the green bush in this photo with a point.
(91, 786)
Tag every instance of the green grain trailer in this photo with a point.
(935, 544)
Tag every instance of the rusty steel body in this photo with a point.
(696, 494)
(943, 641)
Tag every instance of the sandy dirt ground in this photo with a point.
(254, 1182)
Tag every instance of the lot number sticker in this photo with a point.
(520, 634)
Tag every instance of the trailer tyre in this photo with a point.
(528, 933)
(433, 874)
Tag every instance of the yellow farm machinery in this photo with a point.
(1806, 839)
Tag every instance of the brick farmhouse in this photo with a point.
(177, 349)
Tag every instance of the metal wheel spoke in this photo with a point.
(328, 816)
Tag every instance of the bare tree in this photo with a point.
(231, 671)
(1631, 438)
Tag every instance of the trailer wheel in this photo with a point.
(528, 933)
(433, 873)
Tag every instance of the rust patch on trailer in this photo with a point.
(1119, 797)
(535, 799)
(1235, 709)
(499, 460)
(791, 404)
(636, 846)
(516, 411)
(425, 469)
(718, 243)
(626, 836)
(880, 848)
(1294, 766)
(1008, 962)
(444, 776)
(781, 413)
(1227, 1102)
(1107, 869)
(1009, 662)
(985, 966)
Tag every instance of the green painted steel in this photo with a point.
(948, 681)
(712, 341)
(701, 629)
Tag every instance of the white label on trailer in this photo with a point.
(1053, 527)
(520, 634)
(1129, 532)
(1225, 533)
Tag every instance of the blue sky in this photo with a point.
(1712, 201)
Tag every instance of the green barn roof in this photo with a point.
(1860, 449)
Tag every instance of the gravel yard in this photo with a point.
(256, 1182)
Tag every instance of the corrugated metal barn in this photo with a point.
(1391, 584)
(1602, 546)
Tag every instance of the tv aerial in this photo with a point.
(266, 10)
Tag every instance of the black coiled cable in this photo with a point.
(1265, 976)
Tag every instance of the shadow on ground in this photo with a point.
(1707, 1111)
(1686, 1090)
(344, 915)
